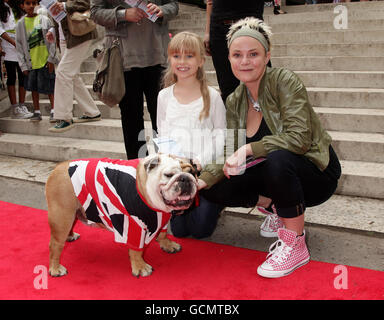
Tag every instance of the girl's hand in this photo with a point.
(26, 72)
(154, 9)
(232, 164)
(50, 37)
(51, 67)
(134, 15)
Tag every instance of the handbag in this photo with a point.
(80, 23)
(109, 83)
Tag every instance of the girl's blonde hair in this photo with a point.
(188, 42)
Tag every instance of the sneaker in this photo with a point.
(36, 117)
(285, 255)
(52, 118)
(26, 111)
(21, 112)
(61, 126)
(85, 118)
(271, 223)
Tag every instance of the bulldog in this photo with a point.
(132, 198)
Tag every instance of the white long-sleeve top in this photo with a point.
(9, 28)
(201, 140)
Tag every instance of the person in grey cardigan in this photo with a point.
(143, 45)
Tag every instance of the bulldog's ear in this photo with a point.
(151, 163)
(194, 166)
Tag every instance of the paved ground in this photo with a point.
(327, 244)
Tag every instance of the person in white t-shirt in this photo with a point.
(9, 14)
(193, 115)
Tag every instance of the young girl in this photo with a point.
(192, 114)
(9, 14)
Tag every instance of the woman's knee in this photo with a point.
(279, 165)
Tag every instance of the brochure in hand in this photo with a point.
(48, 4)
(142, 4)
(168, 146)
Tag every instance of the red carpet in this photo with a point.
(100, 269)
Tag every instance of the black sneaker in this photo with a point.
(85, 118)
(36, 117)
(61, 126)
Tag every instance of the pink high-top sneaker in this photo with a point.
(287, 254)
(271, 224)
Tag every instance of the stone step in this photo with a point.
(54, 148)
(332, 63)
(321, 7)
(365, 98)
(28, 177)
(339, 79)
(371, 49)
(106, 129)
(371, 98)
(59, 148)
(353, 25)
(197, 25)
(329, 37)
(356, 146)
(323, 16)
(333, 79)
(352, 119)
(362, 179)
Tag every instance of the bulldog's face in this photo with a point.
(171, 182)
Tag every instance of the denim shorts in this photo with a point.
(40, 80)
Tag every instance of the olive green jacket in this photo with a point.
(288, 114)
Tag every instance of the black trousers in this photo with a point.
(292, 182)
(13, 68)
(139, 82)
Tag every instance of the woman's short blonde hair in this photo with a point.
(253, 25)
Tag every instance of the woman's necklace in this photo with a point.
(255, 104)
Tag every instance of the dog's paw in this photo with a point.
(58, 272)
(73, 237)
(169, 246)
(143, 270)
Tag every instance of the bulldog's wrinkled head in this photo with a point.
(170, 183)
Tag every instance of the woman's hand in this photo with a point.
(201, 184)
(134, 15)
(232, 164)
(154, 9)
(197, 164)
(56, 8)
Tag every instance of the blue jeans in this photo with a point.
(198, 222)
